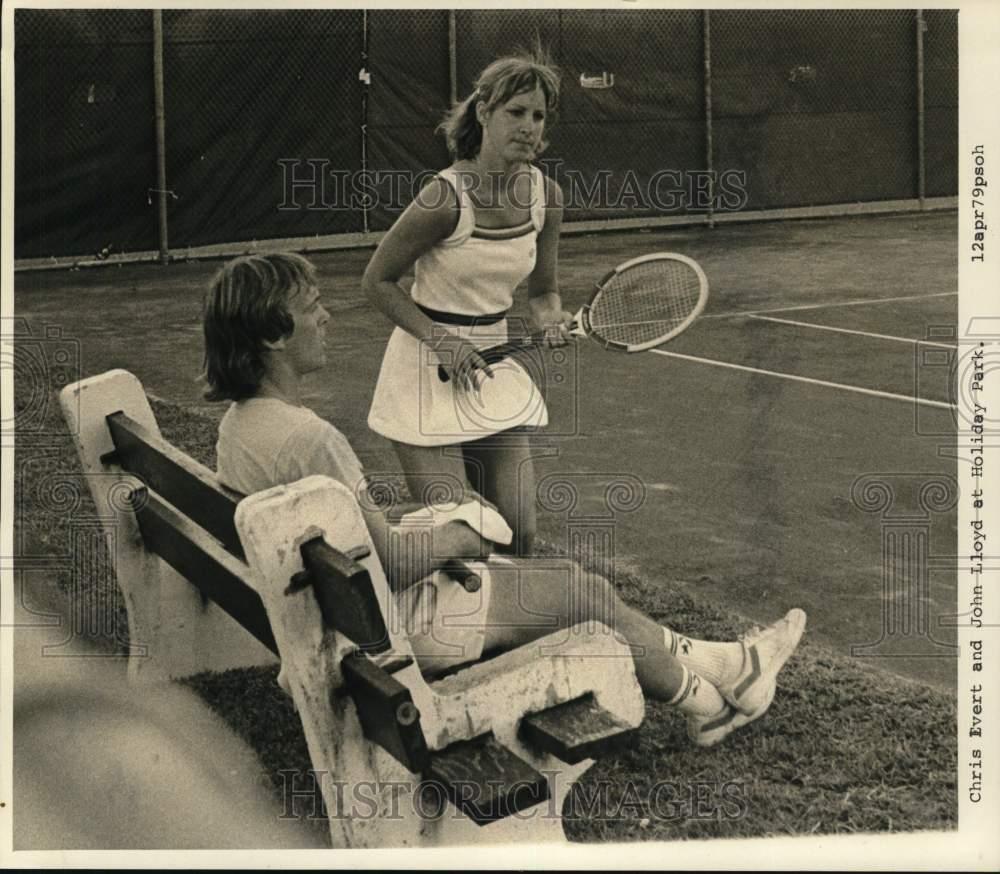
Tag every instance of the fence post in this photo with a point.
(921, 157)
(452, 58)
(161, 126)
(364, 78)
(707, 52)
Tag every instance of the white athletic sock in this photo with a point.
(717, 662)
(697, 696)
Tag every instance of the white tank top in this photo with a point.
(476, 270)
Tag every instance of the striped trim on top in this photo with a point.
(503, 233)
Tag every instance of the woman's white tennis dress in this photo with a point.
(474, 272)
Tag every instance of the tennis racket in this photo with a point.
(640, 304)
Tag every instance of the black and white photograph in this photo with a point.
(542, 437)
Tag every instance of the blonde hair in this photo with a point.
(246, 305)
(503, 79)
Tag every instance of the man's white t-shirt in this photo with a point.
(266, 442)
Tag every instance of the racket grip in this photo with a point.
(498, 353)
(462, 574)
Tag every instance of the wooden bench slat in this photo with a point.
(188, 485)
(576, 730)
(345, 595)
(386, 711)
(485, 780)
(196, 555)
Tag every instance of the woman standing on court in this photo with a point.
(474, 233)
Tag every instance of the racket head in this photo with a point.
(645, 301)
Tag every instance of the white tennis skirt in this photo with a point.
(413, 405)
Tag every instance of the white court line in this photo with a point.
(850, 331)
(810, 380)
(836, 303)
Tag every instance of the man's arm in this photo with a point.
(411, 549)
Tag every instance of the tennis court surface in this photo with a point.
(821, 368)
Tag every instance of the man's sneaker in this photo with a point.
(706, 731)
(765, 652)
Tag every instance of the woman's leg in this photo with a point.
(434, 474)
(500, 467)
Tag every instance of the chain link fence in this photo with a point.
(261, 106)
(816, 106)
(940, 44)
(313, 125)
(85, 153)
(408, 94)
(631, 121)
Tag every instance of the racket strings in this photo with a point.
(646, 302)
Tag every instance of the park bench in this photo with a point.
(486, 753)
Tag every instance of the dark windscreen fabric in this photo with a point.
(84, 157)
(407, 98)
(619, 151)
(626, 150)
(305, 123)
(816, 106)
(941, 101)
(255, 101)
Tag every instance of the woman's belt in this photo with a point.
(525, 354)
(462, 319)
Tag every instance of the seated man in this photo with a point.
(265, 328)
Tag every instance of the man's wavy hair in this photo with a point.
(246, 306)
(503, 79)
